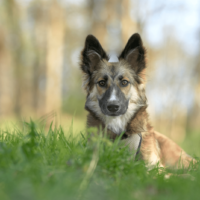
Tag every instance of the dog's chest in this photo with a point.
(116, 124)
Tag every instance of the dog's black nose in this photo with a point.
(113, 108)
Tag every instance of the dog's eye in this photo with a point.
(124, 83)
(102, 83)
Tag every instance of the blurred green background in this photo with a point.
(40, 44)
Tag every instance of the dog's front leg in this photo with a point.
(144, 146)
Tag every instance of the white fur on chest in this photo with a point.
(116, 124)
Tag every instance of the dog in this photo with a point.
(116, 102)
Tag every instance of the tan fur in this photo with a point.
(171, 153)
(156, 147)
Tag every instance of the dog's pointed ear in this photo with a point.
(91, 54)
(134, 53)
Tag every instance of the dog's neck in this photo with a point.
(136, 124)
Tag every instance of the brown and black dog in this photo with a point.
(116, 102)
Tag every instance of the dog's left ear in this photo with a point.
(134, 54)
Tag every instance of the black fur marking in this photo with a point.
(105, 77)
(124, 136)
(121, 77)
(137, 156)
(113, 71)
(91, 44)
(113, 76)
(133, 42)
(137, 57)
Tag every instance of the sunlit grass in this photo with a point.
(191, 144)
(35, 164)
(68, 122)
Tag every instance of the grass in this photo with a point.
(67, 121)
(56, 165)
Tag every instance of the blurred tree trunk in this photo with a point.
(39, 65)
(6, 83)
(16, 38)
(194, 118)
(106, 23)
(193, 121)
(128, 26)
(54, 58)
(113, 24)
(98, 17)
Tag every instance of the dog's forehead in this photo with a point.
(114, 69)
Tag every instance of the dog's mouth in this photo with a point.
(113, 114)
(107, 113)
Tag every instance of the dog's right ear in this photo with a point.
(91, 55)
(134, 53)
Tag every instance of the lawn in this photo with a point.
(36, 164)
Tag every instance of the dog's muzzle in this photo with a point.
(113, 103)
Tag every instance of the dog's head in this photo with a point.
(114, 88)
